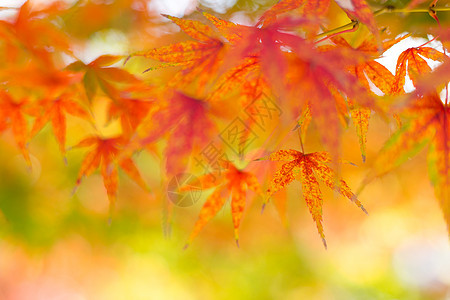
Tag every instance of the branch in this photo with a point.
(349, 26)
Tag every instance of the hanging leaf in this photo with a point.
(229, 181)
(308, 168)
(104, 155)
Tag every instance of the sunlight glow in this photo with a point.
(220, 6)
(177, 8)
(444, 94)
(423, 262)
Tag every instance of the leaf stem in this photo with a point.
(337, 30)
(353, 28)
(416, 10)
(300, 139)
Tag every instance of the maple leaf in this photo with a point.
(265, 43)
(438, 77)
(231, 181)
(263, 58)
(370, 70)
(316, 8)
(100, 73)
(35, 30)
(131, 106)
(246, 83)
(48, 80)
(307, 168)
(198, 59)
(12, 115)
(268, 46)
(105, 155)
(54, 111)
(360, 117)
(429, 123)
(186, 119)
(229, 30)
(322, 82)
(304, 121)
(412, 61)
(316, 82)
(367, 72)
(234, 77)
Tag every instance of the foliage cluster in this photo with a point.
(227, 97)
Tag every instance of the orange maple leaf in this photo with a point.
(199, 59)
(244, 84)
(99, 73)
(249, 70)
(367, 72)
(370, 70)
(429, 123)
(306, 168)
(439, 76)
(105, 155)
(229, 30)
(360, 117)
(131, 106)
(54, 111)
(412, 61)
(35, 30)
(47, 80)
(12, 115)
(232, 181)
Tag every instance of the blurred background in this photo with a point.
(56, 244)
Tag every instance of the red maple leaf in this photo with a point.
(186, 119)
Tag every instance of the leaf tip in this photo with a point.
(74, 190)
(259, 159)
(324, 243)
(186, 246)
(353, 164)
(237, 242)
(364, 210)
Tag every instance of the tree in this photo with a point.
(227, 97)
